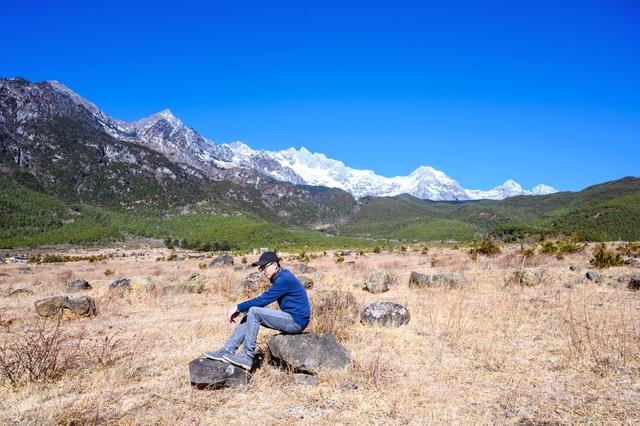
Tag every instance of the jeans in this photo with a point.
(247, 331)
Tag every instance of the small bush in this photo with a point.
(629, 248)
(485, 247)
(549, 248)
(172, 256)
(569, 246)
(377, 250)
(109, 272)
(425, 250)
(403, 249)
(339, 259)
(434, 261)
(202, 265)
(244, 261)
(604, 258)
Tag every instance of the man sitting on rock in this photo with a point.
(292, 318)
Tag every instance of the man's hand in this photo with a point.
(232, 313)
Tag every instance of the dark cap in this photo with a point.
(266, 257)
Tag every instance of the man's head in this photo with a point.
(268, 263)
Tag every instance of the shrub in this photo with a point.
(403, 249)
(604, 258)
(202, 265)
(549, 248)
(108, 272)
(172, 256)
(425, 250)
(434, 261)
(339, 259)
(485, 247)
(377, 250)
(629, 249)
(569, 246)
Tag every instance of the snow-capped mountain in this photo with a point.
(317, 169)
(167, 134)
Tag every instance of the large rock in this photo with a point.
(386, 314)
(631, 261)
(306, 269)
(121, 284)
(50, 306)
(309, 352)
(208, 373)
(78, 285)
(223, 260)
(594, 276)
(25, 270)
(449, 280)
(183, 289)
(379, 282)
(82, 306)
(527, 277)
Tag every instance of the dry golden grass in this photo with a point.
(484, 354)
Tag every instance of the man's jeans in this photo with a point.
(247, 331)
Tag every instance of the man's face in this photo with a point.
(269, 269)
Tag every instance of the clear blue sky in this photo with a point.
(541, 92)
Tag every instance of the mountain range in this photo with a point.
(69, 171)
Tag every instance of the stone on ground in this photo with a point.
(594, 276)
(308, 352)
(223, 260)
(379, 282)
(210, 374)
(78, 285)
(386, 314)
(121, 284)
(81, 306)
(307, 282)
(448, 280)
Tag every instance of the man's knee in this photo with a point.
(254, 312)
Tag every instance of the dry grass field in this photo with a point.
(563, 351)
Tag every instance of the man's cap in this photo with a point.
(266, 257)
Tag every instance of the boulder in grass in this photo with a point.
(251, 283)
(78, 285)
(81, 306)
(25, 270)
(210, 374)
(386, 314)
(527, 278)
(448, 280)
(306, 269)
(594, 276)
(121, 284)
(379, 282)
(50, 306)
(223, 260)
(309, 352)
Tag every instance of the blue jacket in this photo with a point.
(290, 294)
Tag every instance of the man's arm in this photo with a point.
(271, 295)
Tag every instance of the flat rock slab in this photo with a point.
(309, 352)
(210, 374)
(447, 280)
(386, 314)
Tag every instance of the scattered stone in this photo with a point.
(121, 284)
(3, 274)
(50, 306)
(306, 282)
(574, 268)
(242, 267)
(20, 292)
(308, 352)
(631, 261)
(527, 278)
(25, 270)
(304, 379)
(386, 314)
(450, 280)
(78, 285)
(210, 374)
(348, 386)
(379, 282)
(194, 275)
(82, 306)
(306, 269)
(594, 276)
(634, 283)
(569, 285)
(223, 260)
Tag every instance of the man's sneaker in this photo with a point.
(218, 355)
(242, 361)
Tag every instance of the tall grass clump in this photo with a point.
(605, 258)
